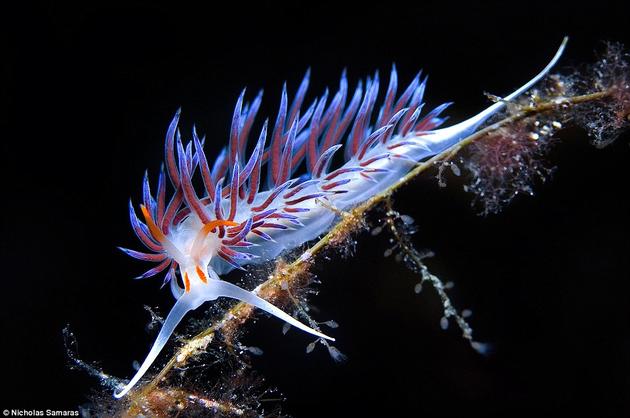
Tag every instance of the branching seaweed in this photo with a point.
(401, 227)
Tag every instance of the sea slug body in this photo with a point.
(195, 237)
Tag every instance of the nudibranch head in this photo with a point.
(191, 245)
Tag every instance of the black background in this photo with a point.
(89, 92)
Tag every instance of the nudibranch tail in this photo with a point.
(449, 136)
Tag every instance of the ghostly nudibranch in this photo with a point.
(235, 223)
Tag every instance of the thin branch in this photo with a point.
(415, 262)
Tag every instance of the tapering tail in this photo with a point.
(441, 139)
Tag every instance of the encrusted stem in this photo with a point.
(414, 261)
(285, 274)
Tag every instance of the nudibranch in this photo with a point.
(233, 222)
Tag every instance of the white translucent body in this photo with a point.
(189, 253)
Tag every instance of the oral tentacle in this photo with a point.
(184, 304)
(219, 288)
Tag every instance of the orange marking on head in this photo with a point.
(205, 230)
(201, 274)
(186, 281)
(213, 224)
(155, 231)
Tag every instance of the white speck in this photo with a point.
(449, 285)
(306, 256)
(444, 323)
(257, 351)
(377, 230)
(337, 355)
(407, 220)
(417, 288)
(466, 313)
(481, 348)
(310, 347)
(455, 169)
